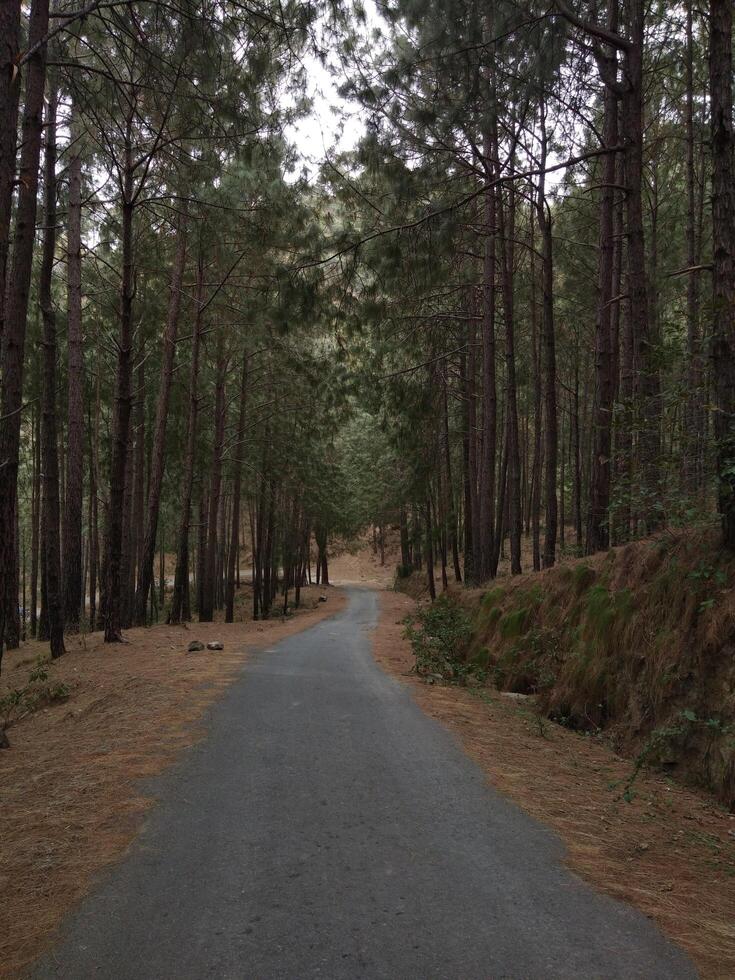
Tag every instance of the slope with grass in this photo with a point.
(638, 643)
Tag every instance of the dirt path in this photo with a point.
(670, 852)
(70, 793)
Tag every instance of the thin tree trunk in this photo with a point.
(693, 427)
(489, 387)
(598, 527)
(548, 334)
(10, 79)
(535, 502)
(645, 353)
(206, 611)
(236, 492)
(158, 453)
(507, 232)
(430, 552)
(723, 259)
(139, 468)
(181, 577)
(49, 448)
(73, 588)
(451, 508)
(16, 305)
(35, 519)
(121, 421)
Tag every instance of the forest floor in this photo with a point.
(670, 851)
(70, 785)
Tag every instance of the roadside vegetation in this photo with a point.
(634, 645)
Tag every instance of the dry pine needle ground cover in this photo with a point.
(70, 794)
(670, 851)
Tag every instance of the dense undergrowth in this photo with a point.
(638, 643)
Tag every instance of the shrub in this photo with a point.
(36, 693)
(439, 636)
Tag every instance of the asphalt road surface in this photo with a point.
(327, 828)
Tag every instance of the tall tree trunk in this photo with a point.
(576, 452)
(535, 501)
(645, 353)
(9, 96)
(723, 259)
(236, 492)
(158, 456)
(94, 489)
(451, 508)
(121, 421)
(49, 449)
(473, 432)
(693, 435)
(73, 590)
(548, 334)
(489, 388)
(469, 535)
(35, 519)
(206, 611)
(598, 526)
(430, 552)
(139, 474)
(16, 306)
(507, 232)
(181, 576)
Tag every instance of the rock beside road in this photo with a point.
(215, 645)
(195, 646)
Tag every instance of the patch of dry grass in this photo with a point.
(70, 793)
(670, 851)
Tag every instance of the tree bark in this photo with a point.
(693, 417)
(548, 334)
(9, 97)
(507, 232)
(49, 449)
(723, 259)
(236, 491)
(121, 420)
(598, 521)
(489, 387)
(206, 611)
(16, 307)
(158, 455)
(645, 353)
(181, 577)
(73, 591)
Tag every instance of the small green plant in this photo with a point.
(35, 694)
(662, 739)
(439, 635)
(583, 577)
(513, 623)
(491, 598)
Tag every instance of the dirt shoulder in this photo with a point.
(70, 793)
(670, 851)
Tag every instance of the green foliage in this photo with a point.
(36, 693)
(513, 623)
(439, 636)
(583, 576)
(492, 597)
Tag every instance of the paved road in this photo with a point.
(327, 828)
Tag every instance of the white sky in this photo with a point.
(332, 126)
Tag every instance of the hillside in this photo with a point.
(636, 643)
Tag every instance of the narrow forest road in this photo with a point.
(327, 828)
